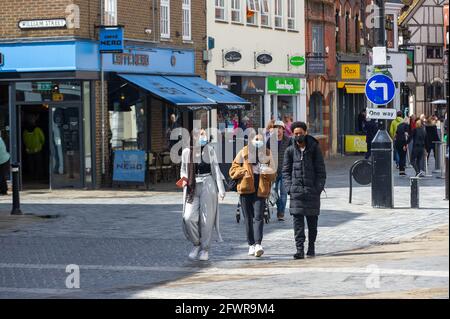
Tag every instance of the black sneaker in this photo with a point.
(311, 251)
(299, 255)
(402, 174)
(280, 217)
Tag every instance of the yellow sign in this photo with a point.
(350, 71)
(355, 144)
(57, 97)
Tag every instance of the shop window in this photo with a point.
(236, 11)
(279, 14)
(165, 19)
(291, 13)
(110, 12)
(48, 91)
(315, 114)
(220, 10)
(265, 13)
(187, 30)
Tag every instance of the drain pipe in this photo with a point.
(102, 89)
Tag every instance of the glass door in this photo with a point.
(65, 145)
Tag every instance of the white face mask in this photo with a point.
(257, 144)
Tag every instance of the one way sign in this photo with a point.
(380, 89)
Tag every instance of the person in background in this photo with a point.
(419, 138)
(283, 144)
(393, 130)
(432, 136)
(361, 121)
(269, 130)
(412, 127)
(172, 126)
(34, 140)
(287, 125)
(371, 129)
(401, 144)
(4, 168)
(304, 176)
(254, 169)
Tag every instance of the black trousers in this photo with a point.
(4, 172)
(418, 159)
(402, 157)
(299, 230)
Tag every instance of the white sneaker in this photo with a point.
(258, 250)
(203, 255)
(194, 252)
(251, 250)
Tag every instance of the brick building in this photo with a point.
(321, 72)
(51, 71)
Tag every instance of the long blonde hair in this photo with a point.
(419, 123)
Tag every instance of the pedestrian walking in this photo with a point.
(4, 168)
(254, 169)
(432, 136)
(401, 144)
(371, 129)
(304, 177)
(34, 140)
(418, 137)
(203, 183)
(393, 130)
(283, 144)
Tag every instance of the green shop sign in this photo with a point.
(297, 60)
(283, 86)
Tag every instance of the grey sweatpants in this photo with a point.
(200, 215)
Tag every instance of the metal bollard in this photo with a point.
(414, 192)
(437, 156)
(15, 188)
(382, 177)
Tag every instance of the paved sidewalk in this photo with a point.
(126, 239)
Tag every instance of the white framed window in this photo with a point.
(236, 11)
(265, 13)
(291, 14)
(165, 19)
(252, 11)
(110, 12)
(279, 14)
(220, 10)
(187, 27)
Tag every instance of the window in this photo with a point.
(347, 30)
(434, 52)
(220, 10)
(315, 114)
(357, 34)
(265, 13)
(317, 39)
(187, 20)
(279, 14)
(165, 19)
(236, 11)
(291, 15)
(110, 12)
(252, 11)
(337, 21)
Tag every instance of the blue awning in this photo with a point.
(169, 91)
(209, 91)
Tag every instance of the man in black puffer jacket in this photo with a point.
(304, 178)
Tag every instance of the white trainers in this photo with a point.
(203, 255)
(258, 250)
(194, 252)
(251, 250)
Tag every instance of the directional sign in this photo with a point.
(380, 89)
(381, 114)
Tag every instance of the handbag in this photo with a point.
(273, 196)
(232, 185)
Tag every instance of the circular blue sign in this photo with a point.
(380, 89)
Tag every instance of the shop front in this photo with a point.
(47, 118)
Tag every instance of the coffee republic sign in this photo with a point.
(283, 86)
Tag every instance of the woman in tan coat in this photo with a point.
(255, 171)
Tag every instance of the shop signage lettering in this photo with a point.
(283, 86)
(297, 60)
(350, 71)
(233, 56)
(253, 85)
(355, 144)
(264, 58)
(382, 114)
(111, 40)
(131, 59)
(129, 166)
(316, 65)
(42, 24)
(44, 86)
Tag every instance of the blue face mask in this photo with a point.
(203, 141)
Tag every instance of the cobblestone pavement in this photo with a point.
(130, 243)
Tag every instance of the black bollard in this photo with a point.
(382, 178)
(414, 192)
(15, 188)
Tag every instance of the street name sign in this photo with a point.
(380, 89)
(381, 114)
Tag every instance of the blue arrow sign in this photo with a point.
(380, 89)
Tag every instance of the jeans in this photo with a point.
(253, 208)
(299, 229)
(418, 160)
(281, 190)
(402, 157)
(396, 157)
